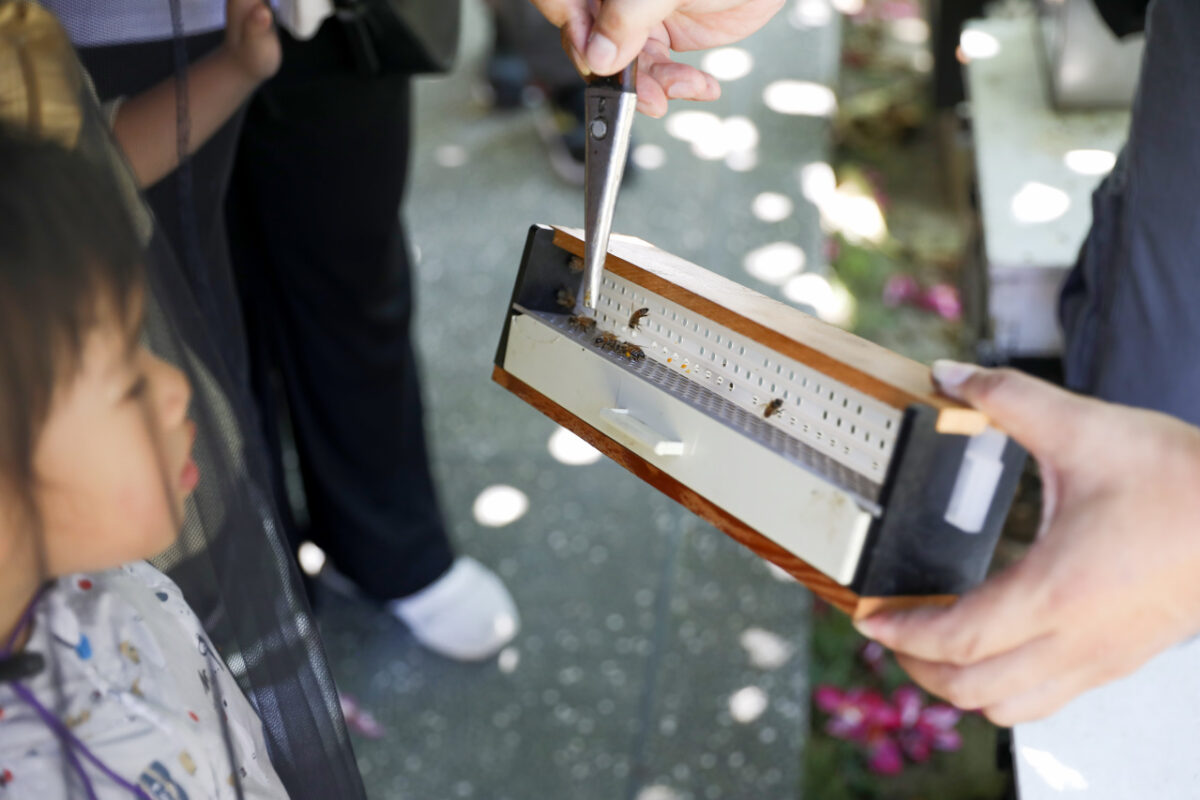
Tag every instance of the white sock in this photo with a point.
(467, 614)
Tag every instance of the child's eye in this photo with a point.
(137, 389)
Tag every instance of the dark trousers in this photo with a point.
(1131, 307)
(323, 270)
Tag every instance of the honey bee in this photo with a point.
(576, 264)
(581, 322)
(607, 341)
(637, 317)
(565, 298)
(773, 407)
(632, 351)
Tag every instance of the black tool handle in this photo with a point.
(623, 81)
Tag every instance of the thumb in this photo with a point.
(620, 31)
(1039, 415)
(257, 20)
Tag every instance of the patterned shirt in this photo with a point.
(139, 685)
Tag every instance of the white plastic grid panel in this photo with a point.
(851, 427)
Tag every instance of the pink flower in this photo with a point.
(884, 757)
(900, 289)
(943, 300)
(924, 729)
(874, 655)
(889, 731)
(359, 720)
(857, 715)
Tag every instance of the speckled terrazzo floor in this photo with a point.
(657, 659)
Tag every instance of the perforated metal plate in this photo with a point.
(845, 425)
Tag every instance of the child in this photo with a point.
(108, 685)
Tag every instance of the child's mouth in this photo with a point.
(189, 476)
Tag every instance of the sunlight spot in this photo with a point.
(747, 704)
(817, 182)
(832, 301)
(717, 139)
(658, 792)
(849, 7)
(649, 156)
(450, 155)
(803, 98)
(742, 160)
(910, 30)
(692, 126)
(810, 14)
(740, 133)
(774, 263)
(504, 626)
(854, 215)
(976, 45)
(508, 660)
(727, 63)
(1090, 162)
(499, 505)
(767, 650)
(1037, 202)
(772, 206)
(567, 448)
(311, 557)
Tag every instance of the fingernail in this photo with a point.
(676, 90)
(579, 61)
(949, 375)
(601, 53)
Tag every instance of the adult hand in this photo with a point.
(1112, 580)
(649, 30)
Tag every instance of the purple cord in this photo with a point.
(69, 741)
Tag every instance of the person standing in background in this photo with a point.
(325, 277)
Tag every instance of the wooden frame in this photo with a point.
(864, 367)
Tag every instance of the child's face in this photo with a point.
(113, 462)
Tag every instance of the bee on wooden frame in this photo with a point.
(607, 341)
(581, 322)
(637, 317)
(632, 351)
(565, 298)
(773, 407)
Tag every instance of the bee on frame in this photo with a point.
(607, 341)
(581, 322)
(637, 317)
(565, 298)
(632, 351)
(773, 407)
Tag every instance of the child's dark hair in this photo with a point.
(68, 250)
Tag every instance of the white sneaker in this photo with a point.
(467, 614)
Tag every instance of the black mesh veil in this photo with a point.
(231, 560)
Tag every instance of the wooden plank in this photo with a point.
(852, 360)
(818, 582)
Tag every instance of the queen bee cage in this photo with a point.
(828, 455)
